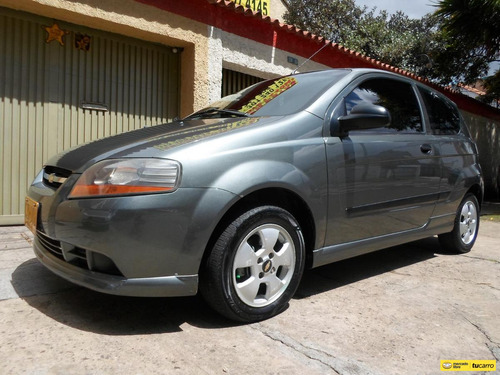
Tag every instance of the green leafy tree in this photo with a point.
(475, 23)
(335, 20)
(397, 40)
(453, 45)
(469, 41)
(394, 39)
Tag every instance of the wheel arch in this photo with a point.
(279, 197)
(478, 192)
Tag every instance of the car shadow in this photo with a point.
(339, 274)
(86, 310)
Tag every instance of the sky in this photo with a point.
(413, 8)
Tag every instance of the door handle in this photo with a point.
(426, 149)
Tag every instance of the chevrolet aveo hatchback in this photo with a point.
(237, 199)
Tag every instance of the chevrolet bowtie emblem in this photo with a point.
(53, 178)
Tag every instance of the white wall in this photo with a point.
(486, 133)
(247, 56)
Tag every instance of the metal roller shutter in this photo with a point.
(233, 81)
(57, 96)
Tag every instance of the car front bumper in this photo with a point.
(166, 286)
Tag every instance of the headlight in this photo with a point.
(128, 176)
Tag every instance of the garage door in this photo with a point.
(62, 85)
(233, 81)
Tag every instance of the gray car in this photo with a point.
(237, 199)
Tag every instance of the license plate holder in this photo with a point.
(31, 214)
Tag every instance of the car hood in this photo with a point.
(152, 141)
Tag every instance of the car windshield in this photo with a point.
(275, 97)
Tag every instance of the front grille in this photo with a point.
(50, 244)
(54, 176)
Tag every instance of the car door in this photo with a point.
(385, 180)
(457, 151)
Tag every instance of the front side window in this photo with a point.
(443, 116)
(396, 96)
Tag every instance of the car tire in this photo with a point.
(463, 236)
(255, 266)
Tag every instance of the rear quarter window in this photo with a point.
(443, 116)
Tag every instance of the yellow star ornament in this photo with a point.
(55, 33)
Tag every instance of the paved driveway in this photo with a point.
(397, 311)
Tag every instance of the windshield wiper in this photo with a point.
(216, 111)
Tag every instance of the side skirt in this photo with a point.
(335, 253)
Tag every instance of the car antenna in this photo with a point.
(314, 54)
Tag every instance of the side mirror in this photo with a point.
(364, 116)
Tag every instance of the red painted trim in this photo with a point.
(247, 24)
(266, 31)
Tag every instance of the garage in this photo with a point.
(62, 85)
(233, 81)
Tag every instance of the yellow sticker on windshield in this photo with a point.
(272, 91)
